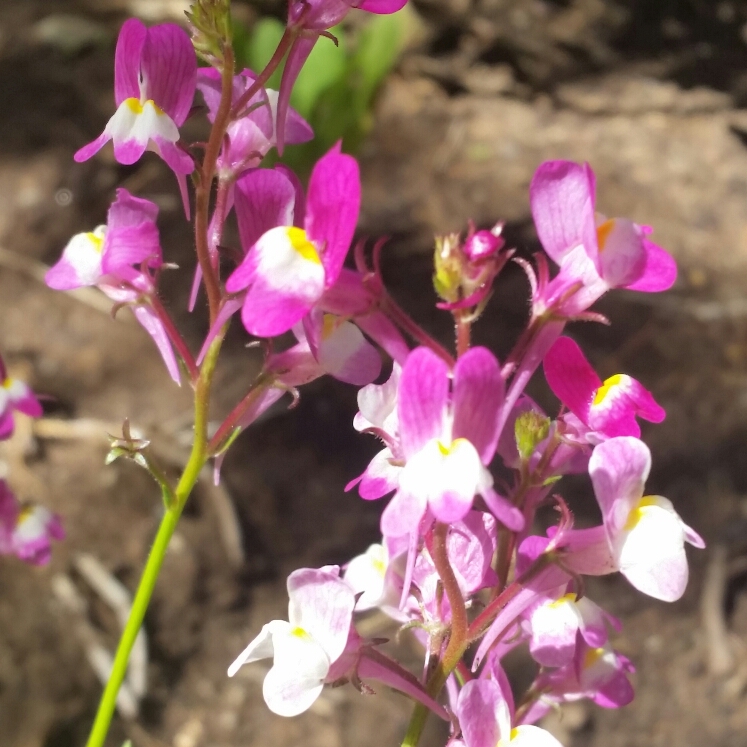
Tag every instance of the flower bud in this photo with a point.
(531, 429)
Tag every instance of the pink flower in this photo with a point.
(645, 534)
(606, 409)
(119, 259)
(154, 84)
(320, 616)
(308, 20)
(288, 268)
(558, 621)
(594, 254)
(485, 717)
(326, 345)
(447, 437)
(27, 532)
(249, 138)
(15, 396)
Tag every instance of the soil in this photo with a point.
(651, 94)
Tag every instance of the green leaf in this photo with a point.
(379, 46)
(325, 66)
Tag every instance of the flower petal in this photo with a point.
(562, 199)
(422, 400)
(265, 199)
(332, 206)
(322, 604)
(618, 469)
(127, 56)
(477, 396)
(169, 70)
(570, 376)
(659, 271)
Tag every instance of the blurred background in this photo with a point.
(467, 98)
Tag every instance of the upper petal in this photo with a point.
(169, 70)
(618, 469)
(422, 400)
(127, 60)
(562, 199)
(321, 603)
(265, 199)
(478, 392)
(333, 203)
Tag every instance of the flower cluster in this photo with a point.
(467, 457)
(455, 538)
(26, 531)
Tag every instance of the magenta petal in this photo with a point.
(129, 151)
(297, 129)
(90, 150)
(477, 706)
(385, 333)
(503, 510)
(478, 392)
(7, 425)
(169, 69)
(422, 401)
(268, 312)
(28, 404)
(298, 54)
(659, 272)
(243, 275)
(383, 7)
(62, 276)
(153, 326)
(265, 199)
(128, 210)
(562, 198)
(403, 514)
(177, 159)
(571, 378)
(332, 206)
(229, 307)
(375, 665)
(127, 56)
(618, 469)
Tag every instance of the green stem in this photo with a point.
(189, 478)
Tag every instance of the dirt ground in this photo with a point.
(652, 94)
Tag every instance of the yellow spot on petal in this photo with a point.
(7, 383)
(592, 656)
(329, 325)
(301, 633)
(513, 735)
(608, 385)
(300, 242)
(639, 511)
(24, 514)
(97, 240)
(604, 231)
(134, 105)
(567, 598)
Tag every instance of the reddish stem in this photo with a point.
(411, 328)
(234, 417)
(440, 556)
(205, 183)
(285, 43)
(176, 339)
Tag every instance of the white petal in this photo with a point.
(297, 676)
(651, 554)
(260, 648)
(532, 736)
